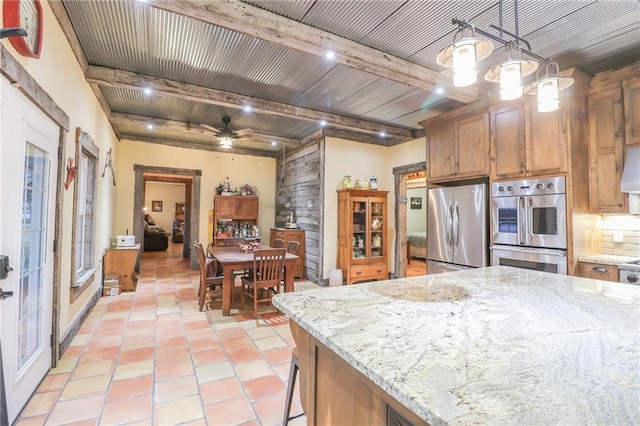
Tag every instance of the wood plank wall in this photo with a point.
(304, 181)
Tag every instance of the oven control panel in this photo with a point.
(522, 187)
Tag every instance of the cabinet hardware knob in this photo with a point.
(600, 269)
(359, 272)
(619, 205)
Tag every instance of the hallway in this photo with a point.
(149, 357)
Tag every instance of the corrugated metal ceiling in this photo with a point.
(136, 37)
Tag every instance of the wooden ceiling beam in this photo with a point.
(134, 120)
(164, 87)
(200, 146)
(253, 21)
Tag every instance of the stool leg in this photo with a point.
(293, 372)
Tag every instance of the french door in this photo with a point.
(28, 169)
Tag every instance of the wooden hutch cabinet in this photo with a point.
(235, 217)
(362, 235)
(291, 235)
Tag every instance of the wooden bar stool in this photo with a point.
(293, 373)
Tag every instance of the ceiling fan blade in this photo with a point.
(213, 129)
(244, 132)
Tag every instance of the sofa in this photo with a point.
(155, 239)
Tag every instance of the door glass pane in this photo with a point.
(359, 228)
(32, 251)
(377, 226)
(508, 220)
(544, 221)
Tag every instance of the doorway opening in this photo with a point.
(191, 179)
(403, 250)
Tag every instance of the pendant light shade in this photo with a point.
(463, 56)
(225, 141)
(548, 88)
(510, 81)
(548, 95)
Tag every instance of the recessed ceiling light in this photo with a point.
(147, 91)
(383, 134)
(247, 108)
(150, 126)
(439, 90)
(274, 143)
(323, 123)
(330, 55)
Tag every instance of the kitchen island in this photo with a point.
(496, 345)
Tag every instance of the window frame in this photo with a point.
(85, 185)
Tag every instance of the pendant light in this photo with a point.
(510, 73)
(548, 88)
(463, 56)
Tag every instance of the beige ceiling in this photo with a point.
(207, 59)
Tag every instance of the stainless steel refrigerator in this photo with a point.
(457, 226)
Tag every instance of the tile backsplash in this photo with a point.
(625, 227)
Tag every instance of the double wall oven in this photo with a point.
(529, 224)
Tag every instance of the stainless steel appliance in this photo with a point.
(529, 224)
(530, 212)
(457, 225)
(629, 273)
(545, 260)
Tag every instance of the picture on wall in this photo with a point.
(416, 203)
(156, 206)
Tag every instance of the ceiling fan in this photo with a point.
(226, 136)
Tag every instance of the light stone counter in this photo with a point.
(498, 345)
(607, 259)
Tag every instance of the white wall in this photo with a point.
(170, 194)
(417, 218)
(361, 161)
(58, 72)
(215, 166)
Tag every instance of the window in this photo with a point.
(84, 212)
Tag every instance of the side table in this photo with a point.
(121, 261)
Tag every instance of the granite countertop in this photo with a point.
(496, 345)
(607, 259)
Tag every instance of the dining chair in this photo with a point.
(278, 243)
(210, 278)
(293, 247)
(265, 278)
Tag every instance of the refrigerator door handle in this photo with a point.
(530, 220)
(456, 221)
(450, 226)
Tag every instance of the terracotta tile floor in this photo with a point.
(149, 357)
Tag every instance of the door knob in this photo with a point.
(5, 294)
(4, 267)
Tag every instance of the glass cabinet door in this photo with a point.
(359, 228)
(377, 234)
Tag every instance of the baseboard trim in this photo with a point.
(80, 319)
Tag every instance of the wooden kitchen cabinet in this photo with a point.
(526, 142)
(362, 235)
(231, 213)
(631, 89)
(606, 151)
(508, 142)
(599, 271)
(291, 235)
(459, 149)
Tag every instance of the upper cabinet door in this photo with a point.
(440, 152)
(251, 207)
(606, 151)
(508, 142)
(632, 111)
(472, 146)
(546, 147)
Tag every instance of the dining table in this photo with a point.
(232, 259)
